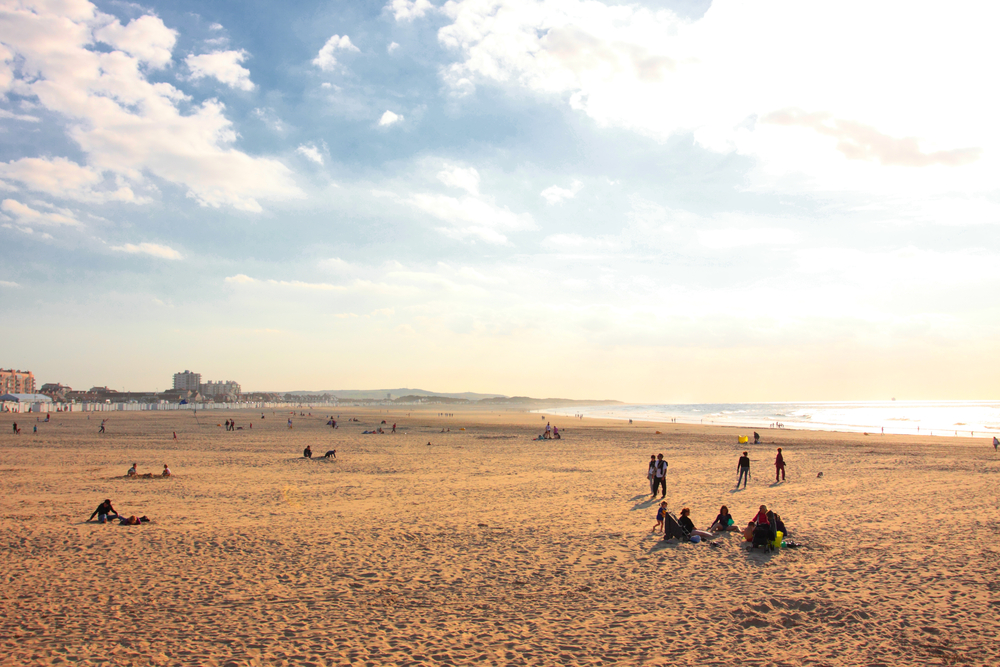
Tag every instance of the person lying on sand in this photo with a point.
(331, 453)
(724, 521)
(132, 520)
(688, 525)
(103, 511)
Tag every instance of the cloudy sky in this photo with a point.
(683, 200)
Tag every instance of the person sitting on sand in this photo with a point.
(166, 470)
(661, 514)
(724, 521)
(761, 518)
(688, 525)
(133, 471)
(307, 452)
(332, 453)
(103, 511)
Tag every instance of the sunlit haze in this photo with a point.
(676, 201)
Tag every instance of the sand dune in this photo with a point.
(486, 546)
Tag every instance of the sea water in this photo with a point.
(952, 418)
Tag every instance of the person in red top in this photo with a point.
(761, 518)
(779, 466)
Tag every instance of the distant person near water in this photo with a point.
(779, 466)
(744, 469)
(996, 443)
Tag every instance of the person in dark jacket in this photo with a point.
(779, 466)
(744, 469)
(103, 511)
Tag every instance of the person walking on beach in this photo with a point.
(660, 476)
(779, 466)
(394, 428)
(744, 469)
(996, 443)
(15, 428)
(103, 422)
(651, 474)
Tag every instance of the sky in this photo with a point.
(673, 201)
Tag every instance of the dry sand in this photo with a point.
(486, 546)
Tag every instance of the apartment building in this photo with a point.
(187, 381)
(16, 382)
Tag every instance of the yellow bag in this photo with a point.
(744, 439)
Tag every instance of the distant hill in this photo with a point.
(379, 394)
(466, 398)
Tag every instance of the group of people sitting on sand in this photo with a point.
(551, 433)
(134, 472)
(723, 523)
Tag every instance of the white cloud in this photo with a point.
(8, 283)
(464, 178)
(152, 249)
(24, 215)
(554, 194)
(388, 118)
(575, 243)
(325, 59)
(222, 65)
(738, 78)
(15, 116)
(392, 47)
(311, 153)
(62, 178)
(473, 217)
(124, 123)
(243, 279)
(724, 239)
(407, 10)
(144, 38)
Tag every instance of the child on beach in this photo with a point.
(661, 514)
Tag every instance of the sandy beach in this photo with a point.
(484, 545)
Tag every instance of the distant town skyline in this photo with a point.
(671, 201)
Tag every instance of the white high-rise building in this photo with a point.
(227, 388)
(187, 381)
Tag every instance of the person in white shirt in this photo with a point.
(660, 475)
